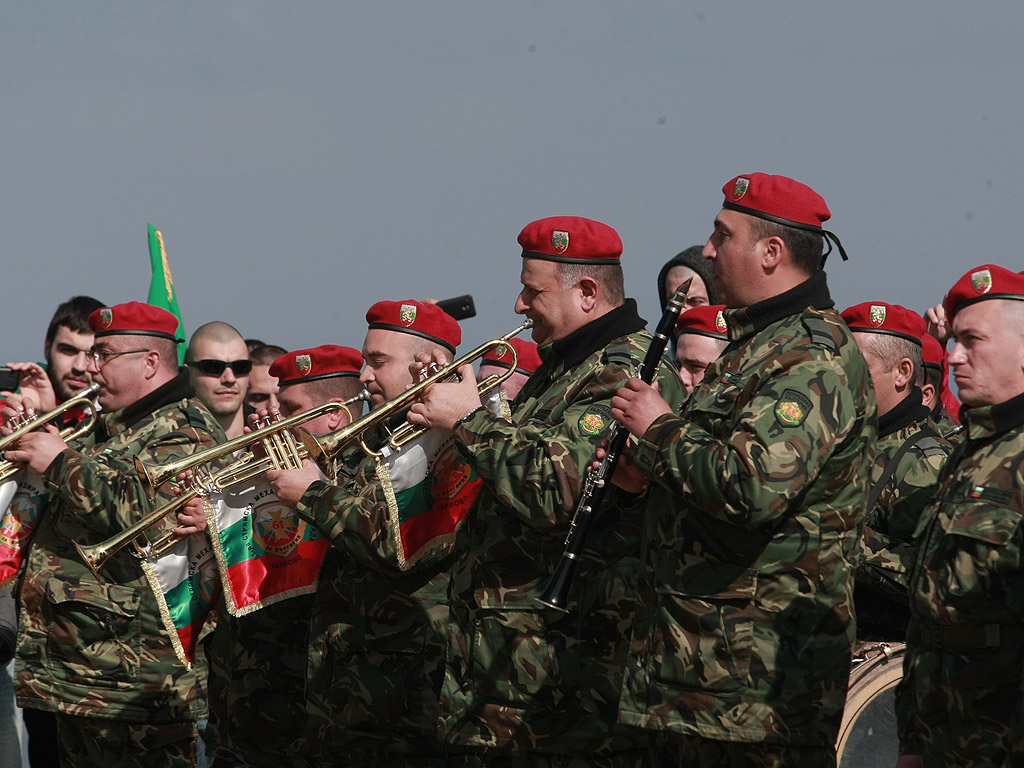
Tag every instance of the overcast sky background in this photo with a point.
(305, 160)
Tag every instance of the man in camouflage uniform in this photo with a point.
(908, 458)
(741, 647)
(377, 630)
(95, 650)
(524, 682)
(257, 662)
(961, 700)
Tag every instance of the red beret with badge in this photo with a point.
(704, 320)
(782, 200)
(427, 321)
(134, 319)
(888, 319)
(527, 360)
(323, 362)
(985, 282)
(571, 240)
(932, 352)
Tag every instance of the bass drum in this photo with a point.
(868, 736)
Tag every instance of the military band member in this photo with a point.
(219, 364)
(701, 337)
(257, 662)
(741, 646)
(94, 650)
(376, 637)
(908, 458)
(961, 699)
(524, 683)
(497, 362)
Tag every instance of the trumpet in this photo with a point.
(323, 449)
(275, 438)
(31, 423)
(282, 452)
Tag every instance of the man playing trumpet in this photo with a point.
(94, 651)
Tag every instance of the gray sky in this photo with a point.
(304, 160)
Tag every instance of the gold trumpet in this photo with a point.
(282, 452)
(32, 423)
(323, 449)
(274, 437)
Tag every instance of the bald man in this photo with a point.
(219, 366)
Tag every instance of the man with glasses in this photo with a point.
(218, 361)
(93, 650)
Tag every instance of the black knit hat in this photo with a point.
(692, 259)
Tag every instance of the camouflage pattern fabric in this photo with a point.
(376, 632)
(960, 700)
(744, 623)
(257, 675)
(98, 648)
(887, 552)
(88, 742)
(521, 677)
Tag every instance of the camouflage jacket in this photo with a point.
(522, 677)
(744, 621)
(97, 647)
(377, 632)
(968, 577)
(906, 435)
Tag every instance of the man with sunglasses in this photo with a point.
(218, 361)
(93, 650)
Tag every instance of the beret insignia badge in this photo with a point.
(407, 314)
(982, 281)
(500, 351)
(106, 317)
(792, 408)
(739, 189)
(303, 365)
(720, 323)
(560, 241)
(877, 315)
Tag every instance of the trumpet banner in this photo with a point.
(265, 552)
(23, 499)
(187, 585)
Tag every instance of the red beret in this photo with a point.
(322, 362)
(134, 318)
(782, 200)
(932, 351)
(985, 282)
(428, 321)
(571, 239)
(890, 319)
(527, 360)
(705, 320)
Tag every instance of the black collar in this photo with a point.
(178, 388)
(583, 342)
(998, 418)
(812, 292)
(907, 411)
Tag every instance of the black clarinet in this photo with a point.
(556, 593)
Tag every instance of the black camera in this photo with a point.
(9, 379)
(460, 307)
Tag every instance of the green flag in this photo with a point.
(161, 286)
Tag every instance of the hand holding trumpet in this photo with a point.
(443, 404)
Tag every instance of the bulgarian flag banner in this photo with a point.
(23, 498)
(187, 586)
(429, 488)
(161, 285)
(265, 552)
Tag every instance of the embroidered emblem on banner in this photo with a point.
(792, 408)
(982, 281)
(739, 189)
(276, 528)
(407, 314)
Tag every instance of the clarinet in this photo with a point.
(556, 593)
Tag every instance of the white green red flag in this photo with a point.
(23, 497)
(187, 585)
(266, 553)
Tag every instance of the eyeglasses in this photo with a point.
(216, 367)
(101, 358)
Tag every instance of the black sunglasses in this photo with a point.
(216, 367)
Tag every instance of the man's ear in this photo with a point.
(904, 372)
(774, 250)
(589, 292)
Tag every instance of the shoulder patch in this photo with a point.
(821, 333)
(596, 418)
(792, 408)
(930, 446)
(993, 494)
